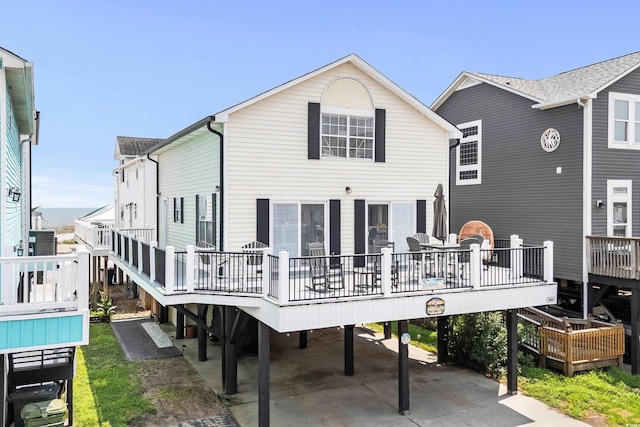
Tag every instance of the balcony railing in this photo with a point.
(94, 236)
(614, 256)
(41, 284)
(291, 279)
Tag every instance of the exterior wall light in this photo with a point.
(348, 190)
(14, 193)
(19, 249)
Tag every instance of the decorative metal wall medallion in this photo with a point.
(550, 140)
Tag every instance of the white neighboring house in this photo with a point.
(135, 183)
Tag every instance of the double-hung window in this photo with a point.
(205, 217)
(347, 133)
(469, 154)
(624, 121)
(619, 208)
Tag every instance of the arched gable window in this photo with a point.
(345, 124)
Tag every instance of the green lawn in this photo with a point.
(106, 387)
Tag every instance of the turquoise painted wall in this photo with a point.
(40, 332)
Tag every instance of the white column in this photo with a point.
(475, 266)
(169, 269)
(516, 256)
(190, 268)
(152, 261)
(283, 277)
(385, 270)
(548, 261)
(82, 277)
(131, 249)
(140, 257)
(266, 271)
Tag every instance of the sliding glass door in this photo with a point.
(390, 221)
(295, 225)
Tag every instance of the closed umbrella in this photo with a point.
(439, 215)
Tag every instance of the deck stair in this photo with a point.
(572, 345)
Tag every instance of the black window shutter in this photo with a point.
(262, 221)
(380, 135)
(198, 219)
(313, 126)
(175, 210)
(359, 231)
(334, 227)
(181, 210)
(421, 216)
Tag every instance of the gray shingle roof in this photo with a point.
(570, 84)
(132, 146)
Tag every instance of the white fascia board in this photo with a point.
(223, 116)
(460, 80)
(561, 103)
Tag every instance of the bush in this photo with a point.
(479, 342)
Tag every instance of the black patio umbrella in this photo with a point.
(439, 215)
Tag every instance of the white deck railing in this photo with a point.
(41, 284)
(94, 236)
(288, 279)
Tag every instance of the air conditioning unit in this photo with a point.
(42, 242)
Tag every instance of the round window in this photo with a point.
(550, 140)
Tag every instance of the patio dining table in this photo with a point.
(440, 248)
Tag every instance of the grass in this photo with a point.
(611, 395)
(106, 387)
(421, 337)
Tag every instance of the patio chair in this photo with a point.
(326, 272)
(205, 250)
(421, 237)
(254, 261)
(378, 246)
(417, 255)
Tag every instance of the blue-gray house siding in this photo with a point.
(613, 163)
(521, 191)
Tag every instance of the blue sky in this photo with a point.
(105, 68)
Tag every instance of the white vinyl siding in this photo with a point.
(266, 145)
(469, 154)
(624, 121)
(187, 168)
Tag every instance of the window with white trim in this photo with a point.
(619, 208)
(624, 121)
(205, 218)
(347, 133)
(469, 154)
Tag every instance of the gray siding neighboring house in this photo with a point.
(537, 194)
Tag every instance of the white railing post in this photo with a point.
(94, 236)
(516, 256)
(283, 277)
(82, 277)
(452, 238)
(140, 257)
(548, 261)
(121, 254)
(169, 269)
(131, 249)
(152, 261)
(475, 266)
(385, 270)
(190, 272)
(266, 271)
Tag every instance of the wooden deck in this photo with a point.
(573, 345)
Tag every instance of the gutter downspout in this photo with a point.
(157, 197)
(221, 180)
